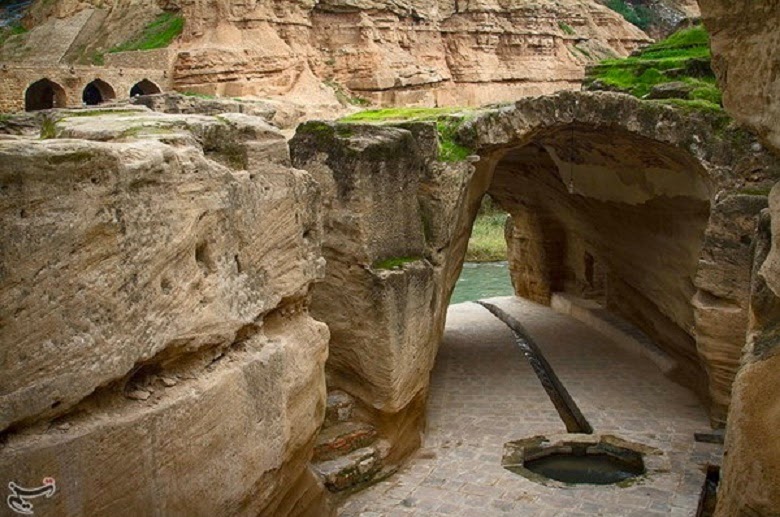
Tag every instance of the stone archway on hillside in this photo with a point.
(44, 94)
(144, 87)
(97, 92)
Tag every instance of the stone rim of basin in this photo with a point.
(639, 461)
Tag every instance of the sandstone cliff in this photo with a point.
(414, 52)
(746, 52)
(426, 52)
(158, 355)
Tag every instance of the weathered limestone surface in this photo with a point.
(745, 43)
(157, 353)
(389, 212)
(746, 53)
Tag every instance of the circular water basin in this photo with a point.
(594, 469)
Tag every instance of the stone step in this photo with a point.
(342, 438)
(339, 407)
(348, 471)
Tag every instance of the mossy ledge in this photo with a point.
(446, 120)
(682, 60)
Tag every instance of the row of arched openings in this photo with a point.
(47, 94)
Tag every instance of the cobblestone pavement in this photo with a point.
(483, 394)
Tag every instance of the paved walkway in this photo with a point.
(484, 393)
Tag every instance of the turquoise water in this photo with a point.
(482, 280)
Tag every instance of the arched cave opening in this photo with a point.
(44, 94)
(144, 87)
(611, 218)
(97, 92)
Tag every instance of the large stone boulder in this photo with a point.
(154, 286)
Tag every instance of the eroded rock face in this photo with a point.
(155, 272)
(420, 52)
(745, 41)
(412, 52)
(746, 52)
(751, 468)
(389, 213)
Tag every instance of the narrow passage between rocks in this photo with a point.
(484, 394)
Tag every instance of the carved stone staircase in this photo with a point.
(348, 454)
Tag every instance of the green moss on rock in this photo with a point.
(682, 57)
(447, 120)
(158, 34)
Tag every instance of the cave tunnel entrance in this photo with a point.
(97, 92)
(144, 87)
(44, 94)
(612, 218)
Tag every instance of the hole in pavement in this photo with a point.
(594, 468)
(588, 460)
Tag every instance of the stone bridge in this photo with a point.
(646, 207)
(33, 88)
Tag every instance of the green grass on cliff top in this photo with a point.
(378, 116)
(665, 61)
(158, 34)
(450, 150)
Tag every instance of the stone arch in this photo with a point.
(643, 178)
(44, 94)
(581, 195)
(144, 87)
(97, 92)
(644, 200)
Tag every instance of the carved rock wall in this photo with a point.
(389, 212)
(691, 298)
